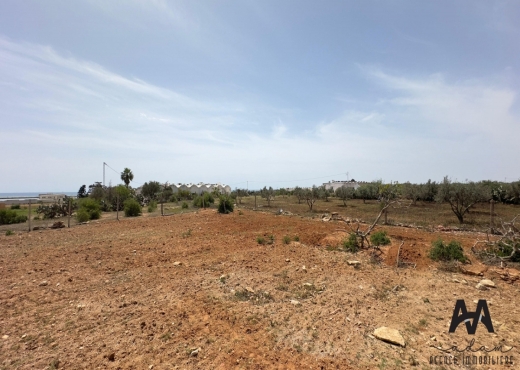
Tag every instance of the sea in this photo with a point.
(21, 196)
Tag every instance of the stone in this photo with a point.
(287, 260)
(295, 302)
(307, 285)
(43, 283)
(481, 287)
(389, 335)
(487, 283)
(5, 336)
(304, 269)
(195, 352)
(177, 263)
(112, 356)
(250, 290)
(353, 263)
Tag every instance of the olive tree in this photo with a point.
(268, 194)
(311, 196)
(460, 196)
(345, 193)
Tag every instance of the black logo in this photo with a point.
(466, 317)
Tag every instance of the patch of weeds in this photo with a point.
(298, 348)
(253, 320)
(315, 334)
(382, 293)
(270, 239)
(423, 322)
(9, 232)
(352, 244)
(166, 336)
(257, 298)
(447, 252)
(184, 205)
(449, 266)
(282, 287)
(379, 238)
(412, 328)
(186, 234)
(307, 291)
(260, 240)
(286, 239)
(54, 365)
(240, 213)
(296, 238)
(382, 365)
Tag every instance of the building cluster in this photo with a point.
(201, 188)
(332, 184)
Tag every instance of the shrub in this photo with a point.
(185, 205)
(89, 206)
(8, 217)
(296, 238)
(225, 204)
(15, 206)
(152, 206)
(206, 197)
(82, 215)
(132, 208)
(352, 244)
(442, 252)
(505, 249)
(379, 238)
(286, 239)
(270, 239)
(9, 232)
(260, 240)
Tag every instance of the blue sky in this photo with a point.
(278, 93)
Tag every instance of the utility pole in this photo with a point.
(104, 174)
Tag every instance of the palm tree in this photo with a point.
(127, 176)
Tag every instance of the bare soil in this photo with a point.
(196, 291)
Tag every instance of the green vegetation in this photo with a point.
(260, 240)
(15, 206)
(127, 176)
(185, 205)
(506, 248)
(225, 205)
(9, 216)
(9, 232)
(204, 200)
(379, 238)
(451, 252)
(89, 209)
(286, 239)
(132, 208)
(152, 206)
(352, 244)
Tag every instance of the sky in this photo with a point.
(257, 93)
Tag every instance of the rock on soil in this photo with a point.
(487, 283)
(389, 335)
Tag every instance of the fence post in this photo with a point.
(29, 214)
(255, 202)
(162, 211)
(117, 208)
(492, 215)
(70, 211)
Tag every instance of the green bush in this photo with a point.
(225, 204)
(184, 205)
(82, 215)
(152, 206)
(260, 240)
(505, 249)
(286, 239)
(15, 206)
(352, 244)
(9, 232)
(89, 206)
(8, 217)
(442, 252)
(206, 197)
(379, 238)
(132, 208)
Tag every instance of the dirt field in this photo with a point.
(196, 291)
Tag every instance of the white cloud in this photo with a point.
(62, 117)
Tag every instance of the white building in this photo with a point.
(51, 197)
(338, 184)
(201, 188)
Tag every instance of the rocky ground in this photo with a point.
(197, 291)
